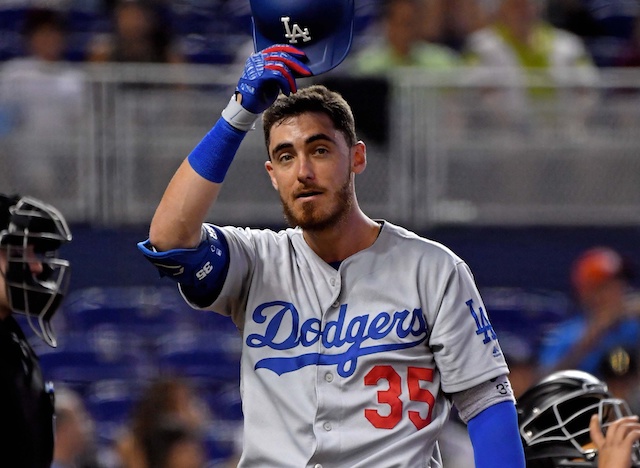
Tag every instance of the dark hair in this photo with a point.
(38, 18)
(315, 98)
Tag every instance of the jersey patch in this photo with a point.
(483, 326)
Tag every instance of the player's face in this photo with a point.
(35, 266)
(312, 167)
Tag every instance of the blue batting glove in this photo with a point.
(268, 72)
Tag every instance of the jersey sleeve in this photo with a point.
(464, 343)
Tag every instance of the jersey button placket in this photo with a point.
(327, 431)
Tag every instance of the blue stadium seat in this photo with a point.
(525, 313)
(224, 401)
(11, 42)
(220, 442)
(217, 452)
(110, 403)
(205, 356)
(84, 358)
(147, 311)
(206, 320)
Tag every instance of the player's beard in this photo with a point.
(318, 218)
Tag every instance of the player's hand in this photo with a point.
(614, 449)
(268, 72)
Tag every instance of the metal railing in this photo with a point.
(467, 147)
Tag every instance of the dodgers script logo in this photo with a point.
(357, 337)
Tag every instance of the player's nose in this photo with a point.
(305, 168)
(35, 265)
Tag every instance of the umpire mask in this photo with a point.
(31, 232)
(554, 417)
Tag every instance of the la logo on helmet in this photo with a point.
(295, 32)
(323, 30)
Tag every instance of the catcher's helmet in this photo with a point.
(31, 232)
(554, 416)
(322, 29)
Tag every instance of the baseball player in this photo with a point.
(358, 335)
(32, 283)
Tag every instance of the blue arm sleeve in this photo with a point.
(495, 437)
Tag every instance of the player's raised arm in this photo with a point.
(195, 186)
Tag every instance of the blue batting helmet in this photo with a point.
(322, 29)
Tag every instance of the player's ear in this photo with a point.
(358, 157)
(269, 167)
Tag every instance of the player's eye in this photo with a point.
(321, 150)
(284, 157)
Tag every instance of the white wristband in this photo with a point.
(239, 117)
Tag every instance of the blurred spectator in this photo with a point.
(74, 446)
(539, 67)
(43, 100)
(173, 443)
(401, 44)
(140, 35)
(169, 410)
(600, 278)
(450, 22)
(619, 369)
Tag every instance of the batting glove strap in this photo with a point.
(239, 117)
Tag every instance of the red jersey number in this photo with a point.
(391, 396)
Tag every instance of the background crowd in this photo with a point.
(429, 33)
(599, 331)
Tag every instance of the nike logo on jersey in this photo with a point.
(283, 330)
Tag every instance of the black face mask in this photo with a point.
(36, 279)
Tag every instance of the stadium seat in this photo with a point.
(142, 310)
(527, 313)
(220, 442)
(224, 401)
(110, 403)
(82, 359)
(201, 356)
(11, 20)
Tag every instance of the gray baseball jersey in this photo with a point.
(350, 367)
